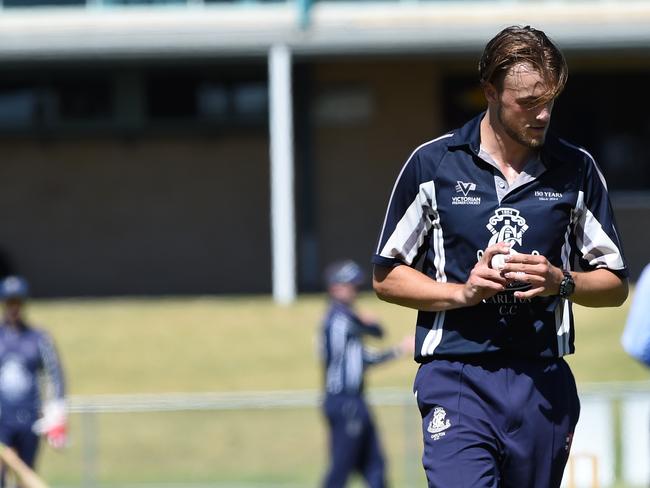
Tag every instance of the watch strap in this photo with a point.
(567, 285)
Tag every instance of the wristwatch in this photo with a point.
(567, 285)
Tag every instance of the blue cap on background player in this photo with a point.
(347, 272)
(14, 287)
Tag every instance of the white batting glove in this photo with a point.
(53, 424)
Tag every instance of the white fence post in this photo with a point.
(283, 233)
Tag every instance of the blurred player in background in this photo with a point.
(354, 442)
(511, 224)
(636, 336)
(27, 356)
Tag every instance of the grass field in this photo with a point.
(240, 344)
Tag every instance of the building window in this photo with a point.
(48, 105)
(204, 98)
(187, 100)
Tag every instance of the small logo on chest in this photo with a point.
(548, 196)
(465, 188)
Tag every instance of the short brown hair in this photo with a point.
(514, 45)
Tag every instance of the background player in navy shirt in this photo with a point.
(354, 443)
(491, 232)
(28, 354)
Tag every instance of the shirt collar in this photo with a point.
(533, 168)
(469, 136)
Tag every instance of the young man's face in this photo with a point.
(13, 309)
(343, 292)
(520, 119)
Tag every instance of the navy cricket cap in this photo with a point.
(14, 287)
(347, 272)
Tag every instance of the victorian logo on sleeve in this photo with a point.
(439, 423)
(466, 199)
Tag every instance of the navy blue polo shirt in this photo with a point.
(26, 354)
(450, 202)
(345, 358)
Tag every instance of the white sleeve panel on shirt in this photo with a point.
(409, 233)
(411, 211)
(595, 245)
(337, 342)
(597, 239)
(55, 384)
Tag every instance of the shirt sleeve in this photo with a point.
(52, 369)
(410, 216)
(636, 335)
(359, 328)
(372, 356)
(597, 240)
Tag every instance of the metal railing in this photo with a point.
(166, 402)
(580, 474)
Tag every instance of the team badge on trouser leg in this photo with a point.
(499, 426)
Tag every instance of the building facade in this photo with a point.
(135, 140)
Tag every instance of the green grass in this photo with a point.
(224, 344)
(241, 344)
(283, 446)
(599, 355)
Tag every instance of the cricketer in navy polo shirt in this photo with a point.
(491, 232)
(354, 445)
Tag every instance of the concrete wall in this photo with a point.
(357, 162)
(104, 216)
(168, 215)
(181, 215)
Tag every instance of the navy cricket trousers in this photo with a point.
(19, 436)
(496, 422)
(354, 443)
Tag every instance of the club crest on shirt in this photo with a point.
(466, 199)
(439, 423)
(507, 225)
